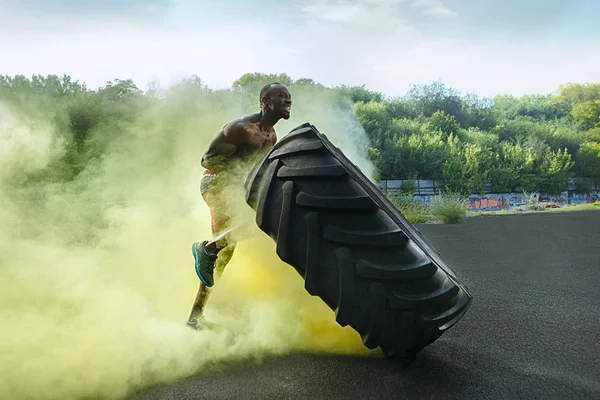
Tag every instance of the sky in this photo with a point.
(486, 47)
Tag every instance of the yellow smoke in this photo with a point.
(98, 310)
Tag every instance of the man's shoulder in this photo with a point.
(240, 125)
(246, 120)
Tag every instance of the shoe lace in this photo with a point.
(211, 266)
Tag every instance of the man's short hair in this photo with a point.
(265, 89)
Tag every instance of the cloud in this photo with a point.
(435, 8)
(386, 44)
(374, 16)
(526, 20)
(89, 7)
(369, 15)
(33, 18)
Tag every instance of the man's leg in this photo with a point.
(215, 254)
(222, 201)
(206, 260)
(225, 245)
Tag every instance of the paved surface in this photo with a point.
(533, 331)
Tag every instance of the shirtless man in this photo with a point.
(235, 148)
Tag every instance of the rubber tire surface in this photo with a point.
(353, 248)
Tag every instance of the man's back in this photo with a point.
(238, 145)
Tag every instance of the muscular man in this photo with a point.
(229, 157)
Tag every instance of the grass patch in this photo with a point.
(576, 207)
(451, 208)
(565, 208)
(414, 211)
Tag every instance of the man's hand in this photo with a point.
(215, 158)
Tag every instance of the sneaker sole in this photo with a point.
(196, 266)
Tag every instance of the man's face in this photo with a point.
(279, 100)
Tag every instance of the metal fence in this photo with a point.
(424, 187)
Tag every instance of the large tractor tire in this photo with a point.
(353, 248)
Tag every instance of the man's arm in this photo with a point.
(224, 146)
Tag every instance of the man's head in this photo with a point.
(275, 98)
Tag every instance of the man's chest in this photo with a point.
(259, 140)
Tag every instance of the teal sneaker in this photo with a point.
(204, 262)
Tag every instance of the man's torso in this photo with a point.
(237, 165)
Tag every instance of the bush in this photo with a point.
(414, 211)
(451, 208)
(531, 203)
(407, 188)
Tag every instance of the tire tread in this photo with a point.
(352, 247)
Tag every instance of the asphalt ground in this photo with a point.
(532, 332)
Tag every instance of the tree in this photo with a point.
(375, 120)
(443, 123)
(359, 94)
(538, 107)
(510, 164)
(479, 111)
(253, 82)
(378, 161)
(399, 109)
(588, 159)
(587, 114)
(120, 90)
(427, 99)
(573, 94)
(555, 168)
(464, 170)
(426, 154)
(305, 81)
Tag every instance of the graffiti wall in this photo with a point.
(506, 201)
(580, 198)
(492, 202)
(488, 202)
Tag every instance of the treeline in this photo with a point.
(528, 143)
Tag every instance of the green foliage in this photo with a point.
(537, 107)
(477, 136)
(444, 123)
(427, 99)
(573, 94)
(450, 207)
(531, 143)
(512, 168)
(253, 82)
(360, 94)
(593, 135)
(425, 155)
(588, 158)
(554, 169)
(375, 157)
(407, 188)
(464, 170)
(400, 109)
(587, 114)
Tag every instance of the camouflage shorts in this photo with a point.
(209, 181)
